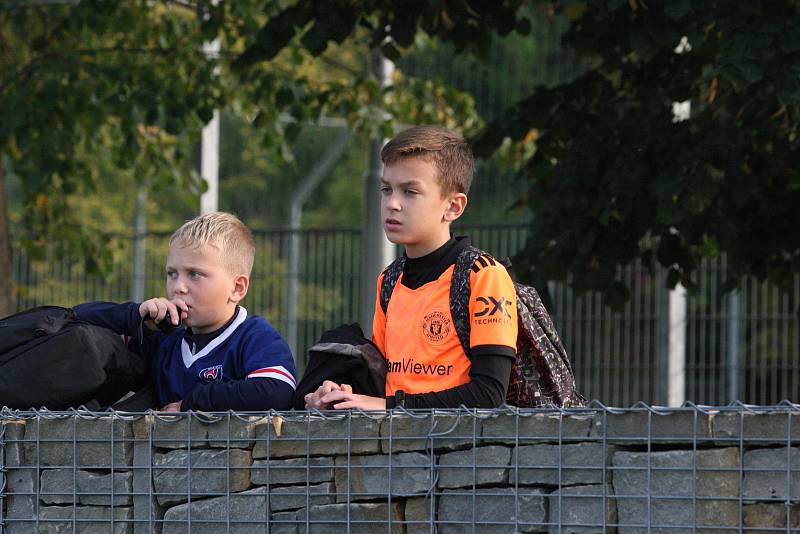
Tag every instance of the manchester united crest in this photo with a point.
(436, 327)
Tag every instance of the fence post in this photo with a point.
(676, 367)
(139, 252)
(299, 197)
(377, 251)
(734, 345)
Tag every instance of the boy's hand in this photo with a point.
(345, 400)
(172, 407)
(314, 400)
(154, 310)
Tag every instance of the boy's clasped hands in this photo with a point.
(331, 395)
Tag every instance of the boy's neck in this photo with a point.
(197, 341)
(417, 251)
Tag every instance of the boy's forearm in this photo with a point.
(252, 394)
(121, 318)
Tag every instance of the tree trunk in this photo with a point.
(6, 295)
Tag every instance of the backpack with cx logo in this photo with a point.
(542, 374)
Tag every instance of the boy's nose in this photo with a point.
(178, 286)
(391, 203)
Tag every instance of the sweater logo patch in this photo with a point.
(436, 326)
(211, 374)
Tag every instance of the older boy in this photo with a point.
(427, 174)
(218, 358)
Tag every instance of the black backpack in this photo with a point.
(542, 374)
(48, 358)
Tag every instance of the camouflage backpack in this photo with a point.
(542, 374)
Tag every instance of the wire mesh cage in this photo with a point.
(599, 469)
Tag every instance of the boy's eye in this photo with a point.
(385, 189)
(195, 274)
(411, 191)
(172, 274)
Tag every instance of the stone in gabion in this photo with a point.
(759, 428)
(283, 523)
(233, 431)
(584, 509)
(771, 516)
(369, 477)
(680, 477)
(213, 472)
(767, 474)
(239, 513)
(403, 433)
(420, 515)
(527, 428)
(366, 518)
(495, 510)
(310, 435)
(65, 486)
(292, 471)
(637, 427)
(581, 464)
(480, 466)
(146, 511)
(296, 497)
(87, 520)
(21, 480)
(172, 431)
(193, 431)
(60, 439)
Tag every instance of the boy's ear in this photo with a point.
(456, 206)
(240, 286)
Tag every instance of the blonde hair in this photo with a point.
(223, 231)
(445, 149)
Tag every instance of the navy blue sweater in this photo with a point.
(244, 366)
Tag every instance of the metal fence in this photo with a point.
(741, 347)
(598, 469)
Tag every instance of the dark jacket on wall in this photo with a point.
(343, 355)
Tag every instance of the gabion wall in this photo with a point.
(642, 469)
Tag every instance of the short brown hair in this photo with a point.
(445, 149)
(223, 231)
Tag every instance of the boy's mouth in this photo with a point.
(391, 223)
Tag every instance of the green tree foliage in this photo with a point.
(615, 176)
(107, 91)
(611, 176)
(85, 86)
(510, 69)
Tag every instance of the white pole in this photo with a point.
(377, 251)
(677, 347)
(209, 165)
(209, 151)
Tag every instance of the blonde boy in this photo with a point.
(427, 175)
(215, 357)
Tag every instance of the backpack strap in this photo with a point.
(459, 289)
(460, 292)
(390, 276)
